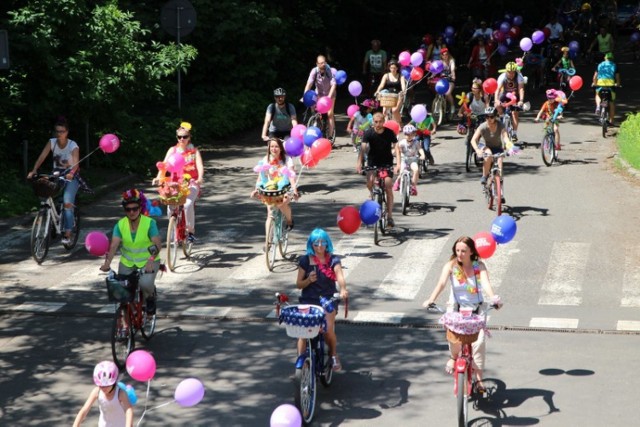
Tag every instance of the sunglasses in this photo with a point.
(319, 243)
(182, 136)
(491, 117)
(133, 209)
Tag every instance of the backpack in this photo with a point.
(272, 109)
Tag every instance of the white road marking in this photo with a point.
(352, 251)
(409, 272)
(206, 311)
(550, 322)
(631, 278)
(498, 264)
(563, 282)
(40, 306)
(628, 325)
(378, 317)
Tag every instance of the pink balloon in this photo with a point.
(175, 163)
(404, 58)
(324, 104)
(297, 132)
(161, 166)
(189, 392)
(97, 243)
(352, 110)
(141, 365)
(109, 143)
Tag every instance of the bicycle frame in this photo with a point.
(380, 193)
(493, 187)
(405, 187)
(177, 236)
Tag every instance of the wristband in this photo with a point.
(151, 259)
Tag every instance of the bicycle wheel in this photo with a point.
(148, 325)
(604, 120)
(40, 236)
(488, 193)
(470, 153)
(461, 397)
(270, 245)
(314, 121)
(497, 195)
(305, 393)
(122, 340)
(437, 109)
(548, 149)
(283, 242)
(326, 375)
(187, 246)
(75, 230)
(172, 242)
(405, 191)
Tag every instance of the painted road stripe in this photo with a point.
(206, 311)
(497, 265)
(350, 246)
(550, 322)
(86, 279)
(378, 317)
(628, 325)
(631, 278)
(409, 271)
(563, 282)
(40, 306)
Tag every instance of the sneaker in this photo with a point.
(290, 226)
(151, 306)
(514, 137)
(335, 364)
(558, 148)
(414, 190)
(396, 185)
(483, 180)
(191, 238)
(66, 240)
(597, 113)
(390, 223)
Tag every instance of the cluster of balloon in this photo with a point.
(97, 243)
(349, 218)
(503, 229)
(307, 142)
(285, 415)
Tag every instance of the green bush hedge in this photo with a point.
(629, 140)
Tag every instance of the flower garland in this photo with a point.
(325, 268)
(459, 275)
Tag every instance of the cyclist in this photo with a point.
(495, 137)
(449, 72)
(477, 104)
(318, 272)
(66, 155)
(510, 81)
(468, 276)
(607, 75)
(605, 43)
(138, 238)
(381, 145)
(325, 84)
(374, 64)
(393, 82)
(276, 169)
(411, 151)
(547, 110)
(564, 62)
(115, 407)
(360, 122)
(193, 171)
(280, 117)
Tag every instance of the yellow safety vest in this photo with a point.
(135, 253)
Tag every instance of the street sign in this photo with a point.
(4, 50)
(178, 18)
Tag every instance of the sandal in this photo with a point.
(449, 366)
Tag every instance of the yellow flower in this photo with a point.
(185, 125)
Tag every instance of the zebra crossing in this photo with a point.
(394, 279)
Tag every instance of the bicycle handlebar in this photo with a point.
(435, 308)
(283, 299)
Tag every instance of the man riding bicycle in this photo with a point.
(325, 84)
(511, 81)
(138, 238)
(607, 75)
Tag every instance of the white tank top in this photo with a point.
(477, 106)
(111, 411)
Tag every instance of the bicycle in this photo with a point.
(49, 221)
(321, 121)
(308, 322)
(603, 108)
(177, 236)
(564, 74)
(471, 157)
(438, 108)
(379, 193)
(388, 101)
(507, 119)
(548, 146)
(465, 386)
(405, 188)
(492, 189)
(130, 315)
(277, 237)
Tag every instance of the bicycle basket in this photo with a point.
(301, 324)
(44, 187)
(120, 290)
(463, 328)
(388, 99)
(272, 197)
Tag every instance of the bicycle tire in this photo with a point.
(148, 325)
(498, 194)
(461, 398)
(437, 110)
(172, 243)
(604, 119)
(313, 121)
(75, 231)
(405, 192)
(122, 338)
(40, 236)
(270, 246)
(470, 153)
(548, 149)
(305, 393)
(283, 242)
(488, 193)
(326, 369)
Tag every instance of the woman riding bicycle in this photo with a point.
(546, 113)
(277, 172)
(495, 137)
(318, 272)
(139, 241)
(393, 82)
(510, 82)
(449, 72)
(470, 113)
(468, 276)
(193, 167)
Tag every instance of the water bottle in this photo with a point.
(327, 304)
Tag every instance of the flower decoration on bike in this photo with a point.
(173, 192)
(274, 176)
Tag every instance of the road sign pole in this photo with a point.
(178, 27)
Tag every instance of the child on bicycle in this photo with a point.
(318, 272)
(114, 404)
(548, 109)
(360, 122)
(411, 151)
(424, 130)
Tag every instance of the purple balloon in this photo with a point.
(285, 415)
(537, 37)
(436, 67)
(294, 147)
(418, 113)
(574, 46)
(355, 88)
(517, 20)
(526, 44)
(503, 49)
(442, 86)
(505, 27)
(189, 392)
(449, 31)
(416, 59)
(635, 37)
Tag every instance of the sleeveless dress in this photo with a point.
(111, 411)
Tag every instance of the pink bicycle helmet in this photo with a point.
(551, 94)
(370, 103)
(105, 374)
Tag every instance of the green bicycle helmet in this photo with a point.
(512, 66)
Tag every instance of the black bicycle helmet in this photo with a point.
(489, 111)
(279, 92)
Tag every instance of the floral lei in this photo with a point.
(324, 268)
(462, 278)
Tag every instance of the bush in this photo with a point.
(629, 140)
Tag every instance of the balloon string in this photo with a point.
(78, 162)
(160, 406)
(146, 401)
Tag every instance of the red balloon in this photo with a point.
(485, 244)
(349, 219)
(499, 36)
(490, 86)
(308, 160)
(320, 148)
(575, 82)
(393, 125)
(416, 73)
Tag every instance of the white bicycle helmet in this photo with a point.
(105, 374)
(489, 111)
(409, 129)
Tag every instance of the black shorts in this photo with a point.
(280, 134)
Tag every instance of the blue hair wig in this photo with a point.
(319, 234)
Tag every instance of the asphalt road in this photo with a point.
(569, 280)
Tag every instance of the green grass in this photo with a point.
(629, 140)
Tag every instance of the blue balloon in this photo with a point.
(442, 86)
(131, 393)
(370, 212)
(503, 228)
(635, 37)
(309, 98)
(341, 77)
(574, 46)
(449, 31)
(517, 20)
(310, 135)
(406, 72)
